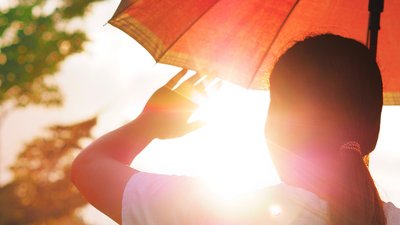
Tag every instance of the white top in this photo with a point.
(152, 199)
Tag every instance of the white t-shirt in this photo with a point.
(153, 199)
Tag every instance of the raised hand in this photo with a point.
(167, 112)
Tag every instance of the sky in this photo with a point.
(115, 76)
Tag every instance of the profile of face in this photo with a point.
(325, 91)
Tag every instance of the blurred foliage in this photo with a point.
(35, 37)
(41, 191)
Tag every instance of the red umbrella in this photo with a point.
(239, 40)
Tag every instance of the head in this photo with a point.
(325, 91)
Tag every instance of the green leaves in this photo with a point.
(33, 44)
(34, 41)
(74, 8)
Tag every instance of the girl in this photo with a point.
(324, 117)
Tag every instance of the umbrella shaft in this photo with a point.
(375, 8)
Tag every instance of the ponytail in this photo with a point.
(325, 90)
(355, 200)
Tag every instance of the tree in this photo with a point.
(34, 39)
(41, 191)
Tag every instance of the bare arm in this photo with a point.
(101, 171)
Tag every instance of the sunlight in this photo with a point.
(275, 210)
(235, 118)
(229, 152)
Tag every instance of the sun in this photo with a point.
(229, 152)
(235, 120)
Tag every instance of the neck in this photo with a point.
(313, 175)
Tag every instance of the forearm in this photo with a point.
(121, 145)
(102, 170)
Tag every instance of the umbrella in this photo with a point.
(239, 41)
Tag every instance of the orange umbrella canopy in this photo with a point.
(239, 41)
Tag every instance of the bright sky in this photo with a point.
(114, 77)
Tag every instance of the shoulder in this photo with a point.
(392, 213)
(297, 205)
(164, 199)
(156, 199)
(158, 187)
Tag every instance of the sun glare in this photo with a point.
(229, 152)
(235, 118)
(275, 210)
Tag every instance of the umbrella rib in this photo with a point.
(124, 8)
(182, 33)
(272, 43)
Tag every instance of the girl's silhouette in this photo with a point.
(324, 117)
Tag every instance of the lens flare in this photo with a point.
(229, 152)
(275, 210)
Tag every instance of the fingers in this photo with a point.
(215, 86)
(196, 88)
(192, 86)
(204, 84)
(194, 126)
(193, 80)
(171, 83)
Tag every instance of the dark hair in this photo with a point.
(325, 91)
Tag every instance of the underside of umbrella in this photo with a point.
(239, 41)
